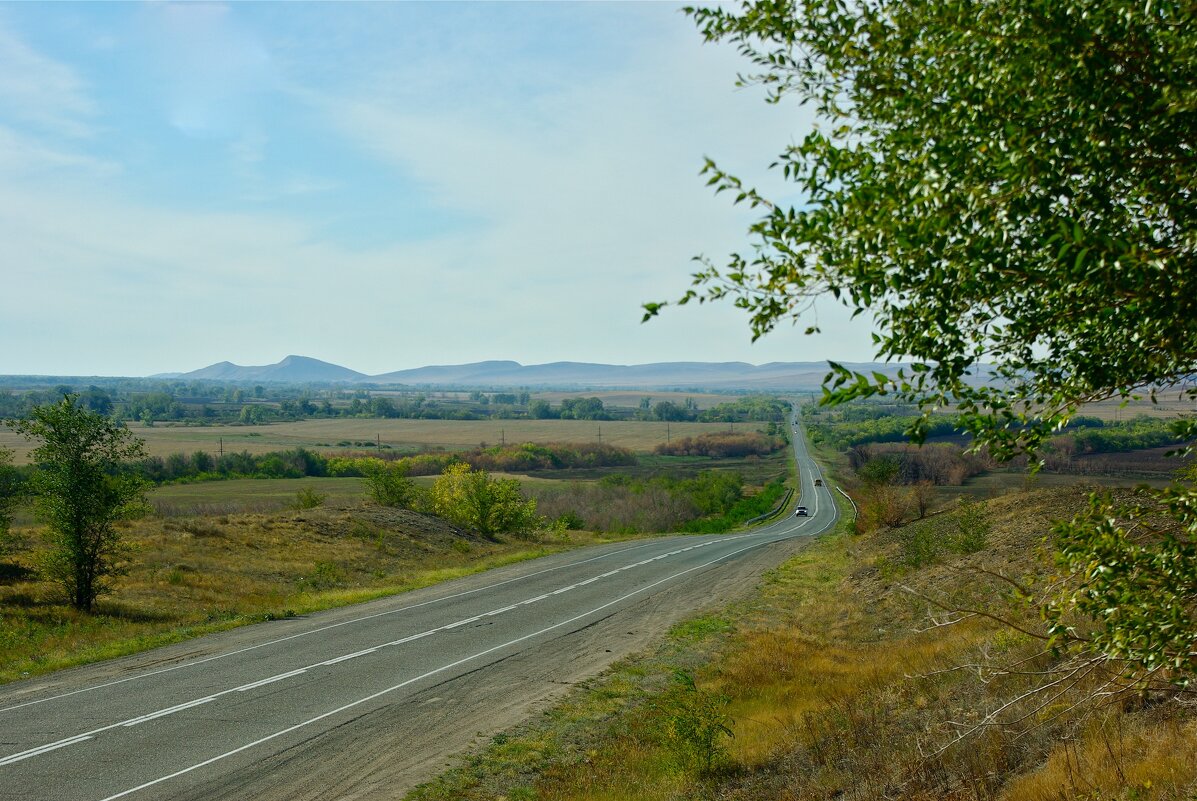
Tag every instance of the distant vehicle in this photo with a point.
(818, 482)
(800, 512)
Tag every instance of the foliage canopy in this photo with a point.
(1010, 190)
(488, 505)
(80, 492)
(1004, 187)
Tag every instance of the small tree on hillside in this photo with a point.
(80, 494)
(489, 505)
(8, 498)
(389, 484)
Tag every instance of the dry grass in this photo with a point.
(839, 689)
(193, 575)
(1154, 756)
(323, 435)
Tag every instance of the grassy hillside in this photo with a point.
(845, 679)
(194, 575)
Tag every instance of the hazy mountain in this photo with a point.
(293, 369)
(775, 376)
(582, 374)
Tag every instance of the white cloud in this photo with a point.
(581, 200)
(21, 154)
(210, 68)
(40, 91)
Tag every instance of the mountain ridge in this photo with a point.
(562, 374)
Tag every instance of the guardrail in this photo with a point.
(784, 501)
(855, 511)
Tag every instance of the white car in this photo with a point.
(800, 512)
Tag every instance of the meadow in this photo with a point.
(338, 435)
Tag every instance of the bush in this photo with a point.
(389, 485)
(308, 498)
(692, 724)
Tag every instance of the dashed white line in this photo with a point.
(227, 654)
(161, 713)
(279, 677)
(426, 675)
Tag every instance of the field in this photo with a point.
(406, 435)
(250, 495)
(628, 399)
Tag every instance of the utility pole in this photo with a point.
(503, 436)
(222, 447)
(600, 435)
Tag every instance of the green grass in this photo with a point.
(757, 470)
(250, 495)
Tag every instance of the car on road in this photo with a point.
(818, 482)
(800, 512)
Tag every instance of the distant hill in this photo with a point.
(293, 369)
(775, 376)
(712, 375)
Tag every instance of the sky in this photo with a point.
(379, 185)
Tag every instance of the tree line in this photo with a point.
(303, 462)
(208, 403)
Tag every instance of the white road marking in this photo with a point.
(347, 657)
(318, 630)
(161, 713)
(299, 671)
(43, 749)
(428, 674)
(269, 680)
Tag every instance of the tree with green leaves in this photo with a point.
(1010, 191)
(80, 492)
(474, 499)
(9, 493)
(389, 484)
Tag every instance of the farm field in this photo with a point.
(244, 495)
(1168, 406)
(630, 399)
(264, 495)
(409, 435)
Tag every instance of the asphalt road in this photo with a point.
(368, 700)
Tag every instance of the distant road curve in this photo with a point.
(367, 701)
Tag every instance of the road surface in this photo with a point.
(367, 701)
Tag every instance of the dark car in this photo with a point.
(800, 512)
(818, 482)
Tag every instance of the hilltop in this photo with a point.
(794, 376)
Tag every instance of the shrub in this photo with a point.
(693, 723)
(308, 498)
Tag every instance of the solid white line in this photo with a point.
(433, 672)
(161, 713)
(409, 638)
(322, 628)
(43, 749)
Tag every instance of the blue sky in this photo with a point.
(381, 185)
